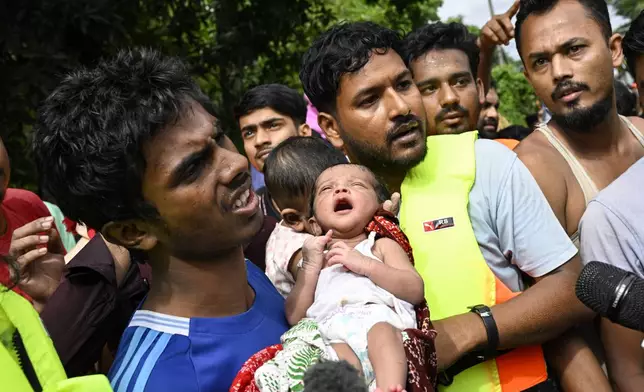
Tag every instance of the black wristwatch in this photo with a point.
(490, 327)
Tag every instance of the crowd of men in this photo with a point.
(171, 290)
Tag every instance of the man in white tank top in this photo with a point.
(569, 53)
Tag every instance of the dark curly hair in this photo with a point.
(90, 133)
(633, 43)
(441, 36)
(596, 9)
(345, 48)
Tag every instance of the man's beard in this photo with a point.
(584, 119)
(378, 158)
(488, 121)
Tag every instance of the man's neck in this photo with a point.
(601, 138)
(213, 288)
(393, 181)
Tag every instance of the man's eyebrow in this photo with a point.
(269, 121)
(571, 42)
(181, 170)
(403, 74)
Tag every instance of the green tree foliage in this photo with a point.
(629, 9)
(231, 45)
(515, 93)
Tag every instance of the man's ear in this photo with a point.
(293, 219)
(331, 129)
(615, 46)
(314, 228)
(304, 130)
(132, 234)
(480, 90)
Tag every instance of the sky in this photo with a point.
(476, 12)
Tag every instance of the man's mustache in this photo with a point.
(399, 122)
(560, 89)
(449, 110)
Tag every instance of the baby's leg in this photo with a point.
(345, 353)
(387, 356)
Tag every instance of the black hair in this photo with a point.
(633, 43)
(293, 166)
(441, 36)
(490, 135)
(90, 133)
(626, 99)
(516, 132)
(532, 120)
(344, 49)
(338, 376)
(14, 272)
(282, 99)
(493, 84)
(382, 193)
(596, 9)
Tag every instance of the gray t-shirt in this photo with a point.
(513, 223)
(612, 228)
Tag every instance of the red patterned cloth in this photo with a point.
(422, 362)
(245, 380)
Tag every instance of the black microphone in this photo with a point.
(332, 376)
(614, 293)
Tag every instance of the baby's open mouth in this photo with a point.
(342, 205)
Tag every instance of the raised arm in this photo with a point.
(497, 31)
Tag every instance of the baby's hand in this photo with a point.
(313, 252)
(350, 258)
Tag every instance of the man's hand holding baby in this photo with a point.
(351, 259)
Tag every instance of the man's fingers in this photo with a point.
(21, 245)
(508, 28)
(489, 35)
(25, 260)
(498, 31)
(514, 8)
(33, 227)
(55, 244)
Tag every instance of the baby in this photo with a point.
(360, 290)
(290, 172)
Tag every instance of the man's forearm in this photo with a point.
(575, 365)
(484, 71)
(541, 313)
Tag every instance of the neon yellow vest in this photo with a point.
(434, 216)
(16, 313)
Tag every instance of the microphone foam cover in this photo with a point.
(596, 288)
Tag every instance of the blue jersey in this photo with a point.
(168, 353)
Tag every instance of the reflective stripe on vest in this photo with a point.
(434, 216)
(17, 313)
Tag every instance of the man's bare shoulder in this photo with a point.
(536, 152)
(638, 122)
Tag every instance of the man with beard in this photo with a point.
(17, 208)
(634, 52)
(489, 115)
(131, 148)
(463, 209)
(569, 53)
